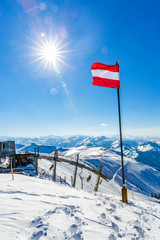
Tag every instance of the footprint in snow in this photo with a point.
(36, 222)
(78, 236)
(37, 235)
(112, 209)
(112, 237)
(145, 219)
(72, 207)
(115, 227)
(73, 228)
(56, 210)
(79, 220)
(113, 205)
(140, 231)
(98, 204)
(107, 198)
(117, 218)
(76, 233)
(67, 211)
(50, 212)
(103, 215)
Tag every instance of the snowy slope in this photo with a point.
(33, 208)
(65, 171)
(139, 177)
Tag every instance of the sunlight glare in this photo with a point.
(50, 53)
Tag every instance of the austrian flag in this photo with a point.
(105, 75)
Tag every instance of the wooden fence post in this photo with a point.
(12, 169)
(80, 175)
(75, 174)
(55, 163)
(98, 179)
(54, 171)
(14, 161)
(71, 180)
(81, 183)
(36, 156)
(35, 150)
(37, 165)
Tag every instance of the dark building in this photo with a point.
(7, 148)
(8, 155)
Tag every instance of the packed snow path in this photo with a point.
(32, 208)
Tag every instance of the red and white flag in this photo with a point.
(105, 75)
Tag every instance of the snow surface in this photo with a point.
(36, 208)
(33, 208)
(139, 177)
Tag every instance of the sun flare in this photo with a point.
(50, 53)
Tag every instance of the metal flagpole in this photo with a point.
(124, 189)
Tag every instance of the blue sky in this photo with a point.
(35, 102)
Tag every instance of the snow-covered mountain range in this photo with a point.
(144, 150)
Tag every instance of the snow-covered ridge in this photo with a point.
(143, 150)
(42, 148)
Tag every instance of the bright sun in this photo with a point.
(50, 53)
